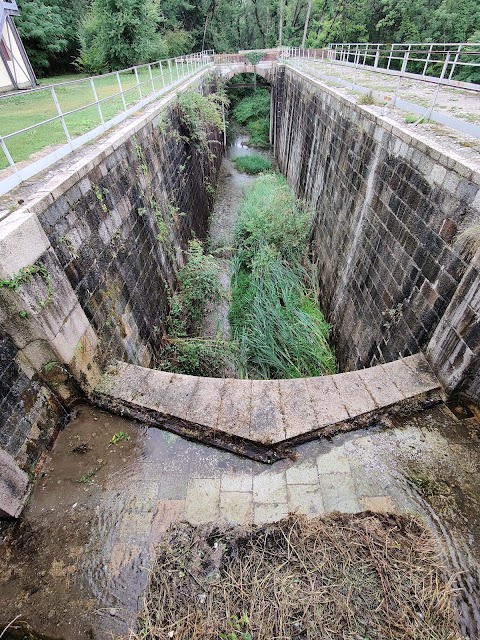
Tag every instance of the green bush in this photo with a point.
(253, 164)
(271, 215)
(252, 107)
(198, 112)
(198, 284)
(197, 356)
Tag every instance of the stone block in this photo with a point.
(333, 461)
(411, 376)
(68, 338)
(13, 487)
(269, 487)
(236, 507)
(338, 493)
(238, 482)
(354, 393)
(22, 242)
(234, 412)
(205, 402)
(380, 387)
(302, 473)
(298, 413)
(168, 512)
(328, 405)
(265, 513)
(305, 499)
(266, 422)
(203, 500)
(378, 504)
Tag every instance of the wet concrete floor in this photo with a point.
(76, 563)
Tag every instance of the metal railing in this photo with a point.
(443, 63)
(440, 64)
(90, 107)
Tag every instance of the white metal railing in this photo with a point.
(440, 64)
(145, 83)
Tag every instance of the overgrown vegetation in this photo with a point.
(253, 164)
(274, 315)
(199, 112)
(198, 286)
(253, 112)
(343, 577)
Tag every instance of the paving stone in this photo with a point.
(143, 499)
(338, 493)
(203, 498)
(354, 393)
(135, 525)
(269, 488)
(334, 462)
(234, 412)
(123, 557)
(306, 499)
(264, 513)
(168, 512)
(237, 482)
(298, 413)
(302, 473)
(236, 507)
(379, 504)
(367, 483)
(327, 403)
(381, 388)
(266, 423)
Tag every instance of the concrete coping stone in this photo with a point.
(267, 412)
(450, 160)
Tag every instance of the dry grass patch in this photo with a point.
(357, 577)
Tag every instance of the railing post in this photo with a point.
(427, 60)
(11, 161)
(151, 77)
(176, 67)
(161, 73)
(138, 82)
(60, 113)
(437, 90)
(94, 91)
(170, 71)
(121, 92)
(455, 62)
(377, 56)
(390, 56)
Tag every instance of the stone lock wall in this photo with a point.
(387, 210)
(87, 267)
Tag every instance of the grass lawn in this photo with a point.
(32, 107)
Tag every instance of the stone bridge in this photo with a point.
(89, 255)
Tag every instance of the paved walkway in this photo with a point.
(265, 413)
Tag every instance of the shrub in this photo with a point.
(271, 215)
(252, 107)
(198, 284)
(253, 164)
(199, 112)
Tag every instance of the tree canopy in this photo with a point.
(109, 34)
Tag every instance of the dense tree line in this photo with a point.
(97, 35)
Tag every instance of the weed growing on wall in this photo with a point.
(274, 313)
(199, 112)
(25, 276)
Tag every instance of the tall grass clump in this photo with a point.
(274, 314)
(253, 164)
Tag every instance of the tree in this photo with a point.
(120, 33)
(42, 31)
